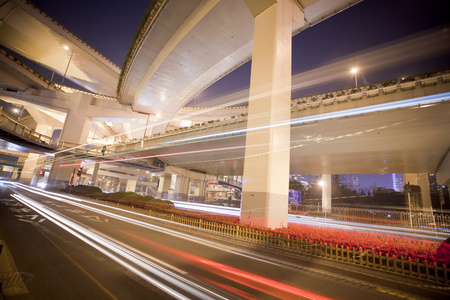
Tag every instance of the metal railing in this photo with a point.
(217, 125)
(310, 101)
(371, 258)
(10, 125)
(415, 219)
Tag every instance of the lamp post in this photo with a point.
(146, 126)
(70, 59)
(354, 71)
(18, 111)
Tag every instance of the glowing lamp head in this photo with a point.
(354, 70)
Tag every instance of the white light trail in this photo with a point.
(425, 100)
(292, 218)
(120, 254)
(108, 246)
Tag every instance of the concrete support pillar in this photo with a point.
(182, 188)
(195, 190)
(62, 171)
(172, 188)
(421, 179)
(326, 193)
(95, 174)
(77, 124)
(164, 185)
(44, 129)
(201, 188)
(75, 130)
(32, 166)
(267, 152)
(131, 185)
(46, 123)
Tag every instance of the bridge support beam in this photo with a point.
(182, 184)
(77, 124)
(31, 167)
(165, 181)
(326, 193)
(75, 130)
(267, 151)
(95, 174)
(61, 174)
(34, 162)
(421, 179)
(131, 185)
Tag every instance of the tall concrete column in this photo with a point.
(62, 171)
(164, 185)
(131, 185)
(201, 191)
(182, 188)
(420, 179)
(75, 130)
(31, 167)
(95, 174)
(44, 129)
(267, 152)
(326, 193)
(77, 124)
(34, 162)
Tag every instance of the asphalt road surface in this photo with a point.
(56, 247)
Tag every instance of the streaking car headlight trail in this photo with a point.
(121, 255)
(167, 277)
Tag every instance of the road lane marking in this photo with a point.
(78, 266)
(29, 218)
(123, 257)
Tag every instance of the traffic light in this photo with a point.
(80, 169)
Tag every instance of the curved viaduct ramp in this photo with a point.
(186, 46)
(29, 32)
(401, 128)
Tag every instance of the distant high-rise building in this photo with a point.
(398, 182)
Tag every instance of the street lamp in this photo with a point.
(354, 71)
(18, 111)
(66, 48)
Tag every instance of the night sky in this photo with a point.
(109, 27)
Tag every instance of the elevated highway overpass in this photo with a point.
(168, 66)
(400, 128)
(185, 47)
(29, 32)
(172, 30)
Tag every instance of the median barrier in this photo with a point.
(376, 258)
(423, 270)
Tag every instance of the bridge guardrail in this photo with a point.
(416, 220)
(311, 101)
(16, 128)
(373, 259)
